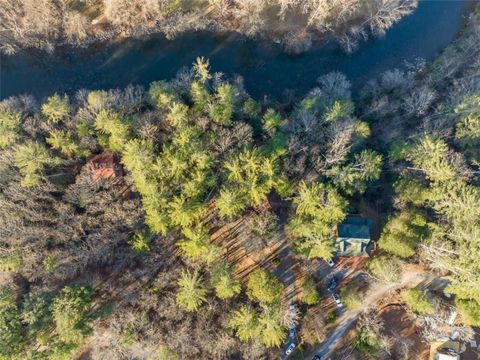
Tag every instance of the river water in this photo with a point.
(266, 69)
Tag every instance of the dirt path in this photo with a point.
(412, 277)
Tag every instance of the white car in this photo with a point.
(290, 349)
(330, 262)
(337, 300)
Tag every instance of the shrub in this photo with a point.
(350, 297)
(417, 301)
(385, 268)
(140, 242)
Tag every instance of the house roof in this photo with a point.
(354, 228)
(353, 237)
(441, 356)
(104, 166)
(448, 351)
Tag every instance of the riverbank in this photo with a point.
(294, 24)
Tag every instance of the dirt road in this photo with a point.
(412, 277)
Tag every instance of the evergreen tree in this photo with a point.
(353, 177)
(191, 293)
(223, 107)
(309, 294)
(69, 311)
(271, 121)
(403, 233)
(140, 242)
(263, 286)
(200, 96)
(230, 202)
(31, 158)
(12, 340)
(197, 246)
(62, 140)
(178, 114)
(9, 127)
(111, 124)
(272, 331)
(431, 156)
(201, 69)
(56, 108)
(244, 322)
(161, 94)
(417, 301)
(224, 282)
(184, 212)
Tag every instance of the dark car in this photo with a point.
(332, 284)
(317, 357)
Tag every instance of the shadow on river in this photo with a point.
(264, 67)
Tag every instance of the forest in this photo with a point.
(47, 24)
(198, 154)
(153, 223)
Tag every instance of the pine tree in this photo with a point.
(9, 127)
(272, 331)
(197, 246)
(244, 322)
(178, 114)
(191, 293)
(111, 124)
(56, 108)
(31, 158)
(62, 140)
(224, 282)
(201, 69)
(69, 310)
(184, 212)
(264, 287)
(230, 202)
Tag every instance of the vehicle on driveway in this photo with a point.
(330, 262)
(332, 284)
(337, 300)
(290, 349)
(291, 332)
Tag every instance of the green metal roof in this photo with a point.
(353, 236)
(354, 228)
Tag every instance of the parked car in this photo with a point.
(290, 349)
(337, 300)
(330, 262)
(291, 332)
(317, 357)
(332, 284)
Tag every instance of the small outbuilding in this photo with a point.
(354, 237)
(104, 168)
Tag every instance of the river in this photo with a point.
(266, 69)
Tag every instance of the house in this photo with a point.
(353, 237)
(449, 350)
(104, 168)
